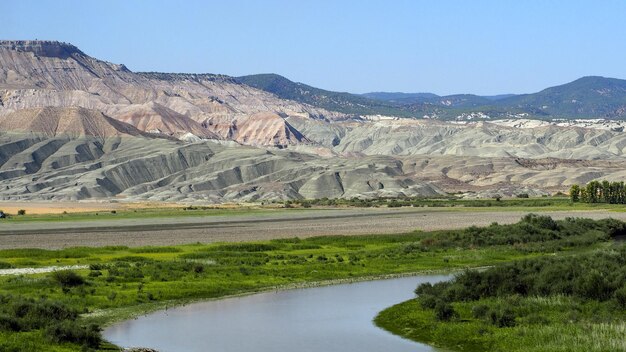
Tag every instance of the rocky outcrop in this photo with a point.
(44, 48)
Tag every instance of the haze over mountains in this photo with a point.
(75, 127)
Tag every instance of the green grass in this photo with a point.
(122, 281)
(550, 324)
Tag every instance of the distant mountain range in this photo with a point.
(416, 98)
(335, 101)
(587, 97)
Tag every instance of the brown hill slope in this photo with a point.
(155, 118)
(37, 74)
(74, 122)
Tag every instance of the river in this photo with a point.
(330, 318)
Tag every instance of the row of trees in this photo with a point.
(599, 192)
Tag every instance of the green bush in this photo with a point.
(502, 317)
(620, 297)
(444, 311)
(534, 233)
(595, 276)
(395, 204)
(97, 266)
(9, 323)
(68, 278)
(71, 331)
(428, 301)
(480, 311)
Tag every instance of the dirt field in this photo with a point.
(143, 232)
(44, 207)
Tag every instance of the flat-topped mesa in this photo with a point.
(54, 49)
(47, 48)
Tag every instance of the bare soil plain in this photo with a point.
(59, 207)
(262, 226)
(43, 207)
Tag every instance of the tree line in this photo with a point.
(599, 192)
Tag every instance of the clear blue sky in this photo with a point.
(443, 46)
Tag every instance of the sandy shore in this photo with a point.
(234, 228)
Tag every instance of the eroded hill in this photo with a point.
(75, 127)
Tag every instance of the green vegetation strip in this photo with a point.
(556, 303)
(64, 310)
(451, 203)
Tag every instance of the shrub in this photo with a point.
(444, 311)
(395, 204)
(97, 266)
(428, 301)
(502, 317)
(593, 285)
(620, 297)
(8, 323)
(21, 212)
(31, 314)
(71, 331)
(68, 278)
(480, 311)
(198, 268)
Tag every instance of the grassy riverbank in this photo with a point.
(564, 303)
(53, 312)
